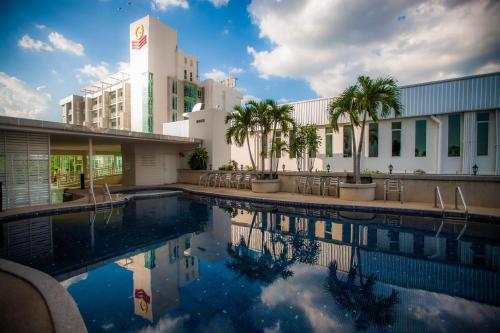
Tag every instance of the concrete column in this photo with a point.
(497, 142)
(469, 142)
(91, 167)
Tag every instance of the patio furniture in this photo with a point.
(245, 181)
(302, 183)
(316, 183)
(213, 179)
(395, 186)
(236, 180)
(203, 181)
(332, 185)
(225, 180)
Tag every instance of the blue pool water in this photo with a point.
(200, 264)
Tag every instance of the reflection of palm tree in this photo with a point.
(304, 249)
(265, 267)
(360, 300)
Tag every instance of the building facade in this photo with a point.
(446, 127)
(161, 86)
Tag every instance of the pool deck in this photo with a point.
(485, 213)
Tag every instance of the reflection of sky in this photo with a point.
(219, 301)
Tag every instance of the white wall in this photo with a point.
(155, 164)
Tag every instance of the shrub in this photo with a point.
(250, 168)
(198, 159)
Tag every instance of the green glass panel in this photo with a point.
(329, 142)
(482, 133)
(347, 137)
(420, 138)
(396, 138)
(149, 259)
(373, 140)
(454, 135)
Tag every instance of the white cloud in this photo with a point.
(163, 5)
(40, 26)
(225, 31)
(236, 70)
(219, 3)
(66, 45)
(26, 42)
(91, 72)
(40, 88)
(329, 43)
(123, 66)
(17, 99)
(215, 74)
(247, 98)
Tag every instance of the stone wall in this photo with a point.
(478, 190)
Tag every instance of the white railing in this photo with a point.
(459, 193)
(438, 198)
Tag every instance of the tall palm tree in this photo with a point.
(242, 126)
(281, 117)
(262, 121)
(381, 95)
(279, 147)
(347, 106)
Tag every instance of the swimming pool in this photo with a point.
(192, 263)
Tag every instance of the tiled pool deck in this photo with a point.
(417, 208)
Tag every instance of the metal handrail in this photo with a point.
(458, 191)
(93, 197)
(109, 194)
(437, 195)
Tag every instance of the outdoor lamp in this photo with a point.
(328, 168)
(390, 168)
(474, 169)
(283, 167)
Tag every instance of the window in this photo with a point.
(185, 74)
(454, 131)
(174, 116)
(329, 142)
(199, 93)
(396, 138)
(372, 140)
(483, 119)
(174, 86)
(347, 151)
(174, 102)
(190, 76)
(292, 138)
(148, 121)
(420, 138)
(278, 140)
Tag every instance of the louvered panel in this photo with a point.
(26, 171)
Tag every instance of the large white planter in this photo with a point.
(357, 192)
(265, 185)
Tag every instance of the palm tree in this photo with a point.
(281, 117)
(374, 96)
(367, 98)
(262, 120)
(279, 147)
(241, 127)
(346, 106)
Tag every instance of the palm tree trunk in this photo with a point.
(262, 156)
(360, 149)
(354, 155)
(250, 152)
(272, 150)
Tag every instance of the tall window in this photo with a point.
(347, 151)
(420, 138)
(396, 138)
(372, 140)
(278, 139)
(174, 86)
(329, 142)
(454, 135)
(483, 119)
(174, 116)
(185, 74)
(148, 115)
(292, 138)
(174, 102)
(190, 76)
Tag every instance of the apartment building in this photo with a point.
(73, 109)
(161, 86)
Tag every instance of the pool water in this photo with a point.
(199, 264)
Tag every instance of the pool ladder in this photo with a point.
(438, 202)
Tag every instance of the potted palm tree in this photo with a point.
(367, 98)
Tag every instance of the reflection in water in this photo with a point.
(164, 265)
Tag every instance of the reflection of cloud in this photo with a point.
(75, 279)
(166, 325)
(418, 309)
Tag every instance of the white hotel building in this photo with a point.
(446, 126)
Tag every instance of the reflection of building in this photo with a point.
(395, 256)
(27, 241)
(159, 274)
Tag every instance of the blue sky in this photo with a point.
(286, 50)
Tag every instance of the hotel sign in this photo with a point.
(140, 38)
